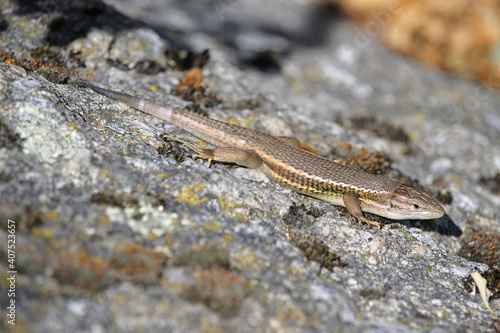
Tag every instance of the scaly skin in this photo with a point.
(282, 160)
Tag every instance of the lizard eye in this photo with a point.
(416, 206)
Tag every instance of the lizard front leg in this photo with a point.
(351, 202)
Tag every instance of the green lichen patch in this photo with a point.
(45, 136)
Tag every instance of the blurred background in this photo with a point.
(459, 36)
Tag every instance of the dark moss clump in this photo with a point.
(301, 216)
(481, 246)
(317, 251)
(373, 293)
(204, 256)
(8, 138)
(24, 217)
(173, 149)
(492, 183)
(492, 276)
(380, 128)
(113, 199)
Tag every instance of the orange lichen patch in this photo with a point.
(219, 289)
(137, 264)
(199, 97)
(82, 271)
(362, 158)
(52, 71)
(460, 36)
(190, 88)
(192, 78)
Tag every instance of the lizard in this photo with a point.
(281, 159)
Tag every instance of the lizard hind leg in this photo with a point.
(243, 157)
(200, 152)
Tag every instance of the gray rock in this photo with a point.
(112, 236)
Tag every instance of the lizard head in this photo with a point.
(408, 202)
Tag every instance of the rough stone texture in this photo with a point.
(113, 237)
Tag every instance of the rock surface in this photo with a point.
(113, 237)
